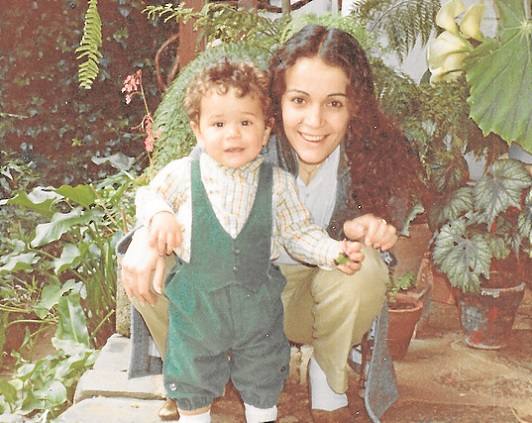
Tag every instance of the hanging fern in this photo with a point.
(89, 47)
(222, 22)
(401, 21)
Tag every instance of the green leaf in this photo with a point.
(413, 212)
(19, 262)
(498, 246)
(460, 202)
(72, 325)
(524, 220)
(69, 258)
(118, 160)
(501, 187)
(60, 224)
(463, 260)
(8, 391)
(41, 200)
(89, 46)
(83, 195)
(500, 78)
(69, 347)
(50, 296)
(53, 393)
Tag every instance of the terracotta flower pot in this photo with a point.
(487, 317)
(403, 317)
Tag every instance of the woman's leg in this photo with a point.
(156, 318)
(332, 311)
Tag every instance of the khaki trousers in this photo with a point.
(324, 308)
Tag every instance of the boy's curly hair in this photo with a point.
(244, 78)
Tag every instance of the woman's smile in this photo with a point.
(314, 108)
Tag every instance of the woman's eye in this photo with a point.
(297, 100)
(336, 104)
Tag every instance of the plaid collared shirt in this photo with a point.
(232, 193)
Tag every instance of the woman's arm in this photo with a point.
(142, 269)
(372, 231)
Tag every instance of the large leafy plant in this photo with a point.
(497, 69)
(74, 241)
(484, 222)
(40, 390)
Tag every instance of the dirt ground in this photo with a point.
(440, 380)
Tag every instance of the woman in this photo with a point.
(321, 85)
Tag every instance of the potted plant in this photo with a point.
(483, 247)
(405, 307)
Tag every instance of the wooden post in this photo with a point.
(188, 38)
(248, 4)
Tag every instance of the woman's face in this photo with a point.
(314, 108)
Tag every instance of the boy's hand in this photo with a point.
(353, 257)
(164, 233)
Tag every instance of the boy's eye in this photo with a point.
(246, 123)
(218, 124)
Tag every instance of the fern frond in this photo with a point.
(401, 21)
(169, 12)
(89, 46)
(345, 23)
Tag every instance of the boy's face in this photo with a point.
(231, 129)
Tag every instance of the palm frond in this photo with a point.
(89, 46)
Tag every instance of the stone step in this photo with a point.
(108, 377)
(121, 410)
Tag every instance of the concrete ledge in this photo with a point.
(107, 384)
(108, 378)
(112, 410)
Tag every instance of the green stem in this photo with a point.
(44, 322)
(97, 328)
(12, 309)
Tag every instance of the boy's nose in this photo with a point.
(233, 130)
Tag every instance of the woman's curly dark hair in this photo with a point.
(385, 171)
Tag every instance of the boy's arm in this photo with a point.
(303, 239)
(164, 193)
(158, 203)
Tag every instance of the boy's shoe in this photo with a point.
(169, 410)
(341, 415)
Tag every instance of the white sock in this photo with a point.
(322, 396)
(197, 418)
(260, 415)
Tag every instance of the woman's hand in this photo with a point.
(372, 231)
(353, 252)
(164, 233)
(141, 266)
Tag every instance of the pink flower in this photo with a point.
(132, 84)
(151, 135)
